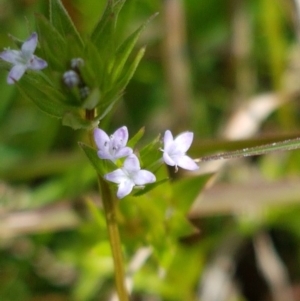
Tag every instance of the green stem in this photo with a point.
(110, 211)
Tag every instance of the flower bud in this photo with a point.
(84, 92)
(71, 79)
(77, 62)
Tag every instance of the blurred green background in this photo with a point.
(227, 70)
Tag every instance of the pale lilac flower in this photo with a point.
(23, 59)
(175, 149)
(113, 147)
(130, 175)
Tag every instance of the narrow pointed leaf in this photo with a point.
(149, 187)
(187, 189)
(101, 166)
(179, 226)
(104, 38)
(43, 95)
(93, 71)
(125, 78)
(97, 214)
(105, 110)
(18, 42)
(61, 20)
(106, 25)
(92, 100)
(150, 154)
(125, 50)
(136, 138)
(52, 43)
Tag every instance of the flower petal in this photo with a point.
(123, 152)
(117, 176)
(15, 73)
(187, 163)
(184, 141)
(103, 154)
(168, 160)
(101, 138)
(132, 164)
(37, 64)
(168, 140)
(11, 56)
(143, 177)
(120, 137)
(29, 45)
(125, 188)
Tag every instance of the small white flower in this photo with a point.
(130, 175)
(113, 147)
(175, 149)
(23, 59)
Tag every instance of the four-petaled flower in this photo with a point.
(175, 149)
(113, 147)
(23, 59)
(130, 175)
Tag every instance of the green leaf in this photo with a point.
(187, 189)
(125, 50)
(61, 20)
(125, 78)
(97, 214)
(151, 213)
(136, 138)
(150, 154)
(104, 37)
(178, 225)
(93, 71)
(174, 286)
(46, 97)
(104, 30)
(52, 43)
(105, 110)
(101, 166)
(18, 42)
(149, 187)
(92, 100)
(110, 96)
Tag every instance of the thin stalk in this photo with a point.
(286, 145)
(110, 212)
(110, 209)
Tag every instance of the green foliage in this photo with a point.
(102, 167)
(54, 241)
(104, 32)
(106, 68)
(136, 138)
(43, 95)
(61, 20)
(53, 45)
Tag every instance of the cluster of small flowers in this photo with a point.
(131, 174)
(24, 59)
(109, 148)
